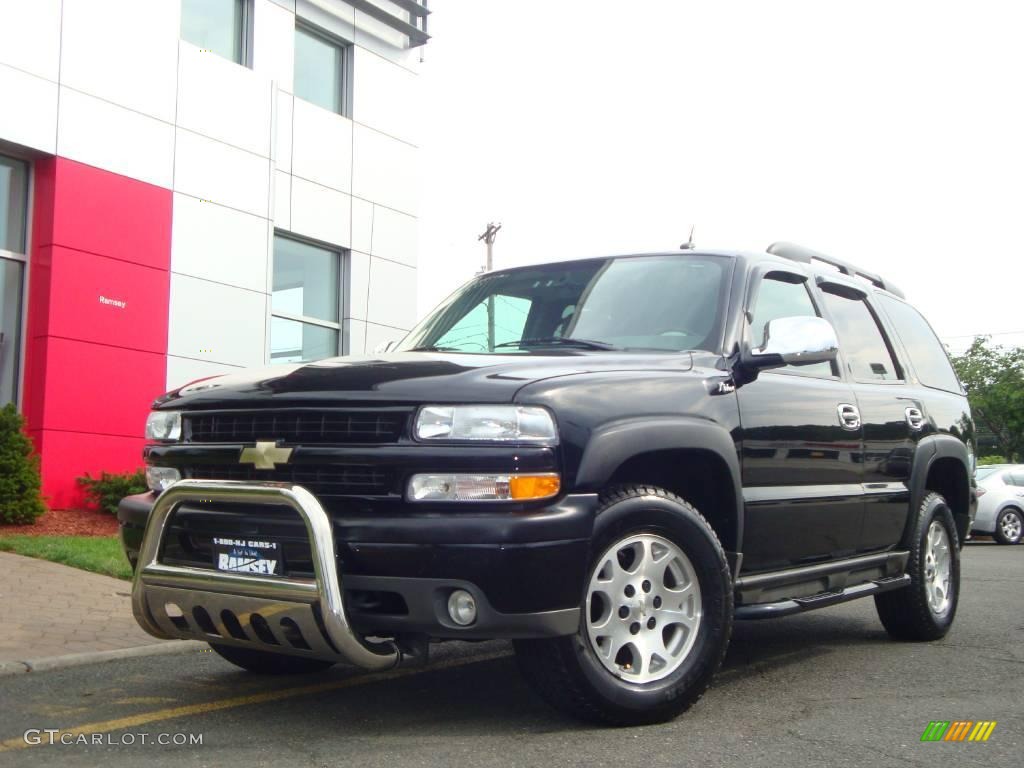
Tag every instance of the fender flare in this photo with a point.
(929, 450)
(616, 442)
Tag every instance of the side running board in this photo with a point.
(821, 600)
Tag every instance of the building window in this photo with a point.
(13, 226)
(219, 26)
(306, 302)
(321, 67)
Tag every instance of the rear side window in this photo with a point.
(926, 352)
(1015, 478)
(861, 342)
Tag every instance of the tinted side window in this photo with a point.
(777, 298)
(925, 350)
(860, 339)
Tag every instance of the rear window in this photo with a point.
(926, 351)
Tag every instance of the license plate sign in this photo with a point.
(248, 556)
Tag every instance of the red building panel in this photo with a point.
(66, 456)
(112, 215)
(99, 389)
(108, 301)
(97, 320)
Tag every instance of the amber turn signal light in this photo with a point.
(524, 487)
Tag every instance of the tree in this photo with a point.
(20, 501)
(994, 379)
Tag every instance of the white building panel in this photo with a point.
(362, 225)
(382, 39)
(385, 96)
(321, 146)
(115, 139)
(33, 122)
(381, 334)
(183, 370)
(353, 337)
(321, 213)
(384, 170)
(394, 236)
(357, 288)
(220, 244)
(226, 175)
(216, 323)
(273, 54)
(392, 298)
(283, 130)
(282, 200)
(223, 100)
(125, 51)
(30, 37)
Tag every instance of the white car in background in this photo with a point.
(1000, 502)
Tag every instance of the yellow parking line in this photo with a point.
(241, 701)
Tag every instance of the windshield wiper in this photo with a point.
(558, 341)
(432, 348)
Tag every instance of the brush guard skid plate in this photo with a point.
(293, 616)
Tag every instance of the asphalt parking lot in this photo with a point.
(827, 688)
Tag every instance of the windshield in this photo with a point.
(662, 303)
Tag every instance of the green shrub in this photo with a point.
(984, 461)
(105, 491)
(20, 499)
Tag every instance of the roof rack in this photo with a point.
(803, 255)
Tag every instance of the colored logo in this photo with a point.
(958, 730)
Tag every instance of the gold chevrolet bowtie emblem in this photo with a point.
(265, 455)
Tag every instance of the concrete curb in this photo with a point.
(95, 657)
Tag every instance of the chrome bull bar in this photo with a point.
(295, 616)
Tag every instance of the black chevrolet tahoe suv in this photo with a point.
(606, 461)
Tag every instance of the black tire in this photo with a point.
(906, 613)
(269, 663)
(1004, 516)
(567, 673)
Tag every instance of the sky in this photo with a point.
(887, 134)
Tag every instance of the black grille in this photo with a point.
(301, 427)
(324, 481)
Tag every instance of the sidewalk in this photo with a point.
(49, 610)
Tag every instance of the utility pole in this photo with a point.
(488, 237)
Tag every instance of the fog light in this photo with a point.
(462, 607)
(159, 479)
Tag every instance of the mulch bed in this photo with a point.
(68, 522)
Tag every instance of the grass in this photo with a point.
(99, 554)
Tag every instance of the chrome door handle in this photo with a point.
(849, 416)
(915, 418)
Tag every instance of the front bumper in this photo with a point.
(394, 573)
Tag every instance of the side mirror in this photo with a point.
(795, 341)
(384, 346)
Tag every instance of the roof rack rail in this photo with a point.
(803, 255)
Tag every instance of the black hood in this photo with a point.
(406, 377)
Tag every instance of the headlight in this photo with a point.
(499, 423)
(163, 425)
(159, 479)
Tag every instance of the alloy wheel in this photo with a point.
(1010, 525)
(643, 608)
(937, 568)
